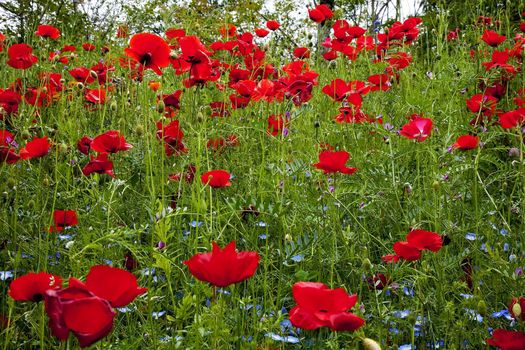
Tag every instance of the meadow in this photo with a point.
(373, 184)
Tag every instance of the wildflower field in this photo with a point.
(167, 191)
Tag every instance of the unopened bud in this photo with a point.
(436, 185)
(113, 105)
(161, 106)
(516, 309)
(173, 55)
(80, 86)
(93, 74)
(482, 307)
(370, 344)
(139, 130)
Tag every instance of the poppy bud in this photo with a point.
(288, 237)
(139, 130)
(62, 81)
(26, 135)
(516, 310)
(407, 188)
(31, 204)
(113, 105)
(93, 74)
(80, 86)
(63, 148)
(366, 264)
(173, 55)
(504, 186)
(69, 244)
(45, 181)
(482, 307)
(40, 133)
(370, 344)
(436, 185)
(161, 106)
(317, 124)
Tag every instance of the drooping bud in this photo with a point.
(370, 344)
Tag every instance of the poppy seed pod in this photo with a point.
(161, 106)
(139, 130)
(370, 344)
(482, 307)
(80, 86)
(516, 310)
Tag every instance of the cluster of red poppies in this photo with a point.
(85, 309)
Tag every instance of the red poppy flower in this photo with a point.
(63, 219)
(418, 128)
(492, 38)
(499, 60)
(88, 47)
(36, 148)
(223, 267)
(261, 32)
(7, 154)
(272, 25)
(276, 125)
(216, 178)
(320, 13)
(485, 104)
(378, 281)
(319, 306)
(517, 308)
(301, 52)
(96, 96)
(333, 162)
(21, 56)
(32, 286)
(84, 144)
(466, 142)
(150, 50)
(407, 251)
(119, 287)
(172, 136)
(47, 31)
(512, 118)
(2, 38)
(111, 141)
(100, 165)
(82, 75)
(423, 240)
(78, 310)
(507, 340)
(9, 101)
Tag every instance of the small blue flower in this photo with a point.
(64, 237)
(466, 296)
(503, 232)
(401, 314)
(263, 236)
(470, 236)
(261, 224)
(502, 313)
(124, 309)
(285, 339)
(156, 315)
(195, 223)
(506, 247)
(474, 315)
(4, 275)
(297, 258)
(406, 347)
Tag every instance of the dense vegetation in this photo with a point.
(388, 162)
